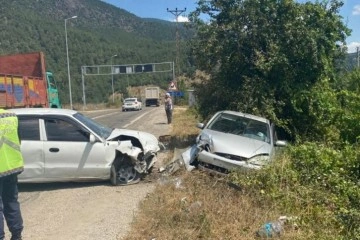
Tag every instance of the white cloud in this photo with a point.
(356, 10)
(352, 46)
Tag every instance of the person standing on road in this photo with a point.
(168, 107)
(11, 164)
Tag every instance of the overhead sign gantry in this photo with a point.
(100, 70)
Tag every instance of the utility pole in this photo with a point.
(67, 60)
(177, 13)
(112, 77)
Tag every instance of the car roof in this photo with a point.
(43, 111)
(247, 115)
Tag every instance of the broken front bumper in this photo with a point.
(205, 158)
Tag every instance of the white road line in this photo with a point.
(126, 125)
(109, 114)
(142, 115)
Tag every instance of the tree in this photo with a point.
(266, 56)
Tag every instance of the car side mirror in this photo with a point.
(280, 143)
(92, 138)
(200, 125)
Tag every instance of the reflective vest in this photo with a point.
(11, 160)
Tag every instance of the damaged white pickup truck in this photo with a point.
(62, 145)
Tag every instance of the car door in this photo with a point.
(68, 152)
(31, 148)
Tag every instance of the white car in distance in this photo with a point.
(131, 104)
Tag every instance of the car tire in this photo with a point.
(122, 172)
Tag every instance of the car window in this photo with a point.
(243, 126)
(101, 130)
(130, 100)
(29, 129)
(229, 123)
(257, 130)
(61, 130)
(52, 82)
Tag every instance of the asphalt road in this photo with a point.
(133, 119)
(95, 210)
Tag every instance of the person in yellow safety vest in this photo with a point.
(11, 164)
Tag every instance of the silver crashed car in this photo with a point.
(233, 140)
(60, 145)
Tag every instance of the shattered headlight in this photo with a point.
(205, 141)
(259, 160)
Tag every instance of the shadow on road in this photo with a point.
(161, 123)
(34, 187)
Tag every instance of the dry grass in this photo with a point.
(194, 206)
(199, 206)
(184, 122)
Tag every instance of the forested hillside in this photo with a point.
(99, 32)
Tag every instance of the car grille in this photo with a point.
(213, 168)
(231, 157)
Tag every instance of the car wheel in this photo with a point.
(122, 172)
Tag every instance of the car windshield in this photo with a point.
(101, 130)
(130, 100)
(242, 126)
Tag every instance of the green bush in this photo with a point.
(315, 182)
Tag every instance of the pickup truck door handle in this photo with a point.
(54, 149)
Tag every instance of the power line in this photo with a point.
(177, 12)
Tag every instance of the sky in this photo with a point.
(165, 10)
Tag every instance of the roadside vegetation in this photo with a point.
(282, 60)
(310, 183)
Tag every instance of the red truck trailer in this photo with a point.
(24, 82)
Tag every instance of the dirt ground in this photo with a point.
(79, 211)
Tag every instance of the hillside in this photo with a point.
(99, 32)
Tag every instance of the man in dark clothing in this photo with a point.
(10, 207)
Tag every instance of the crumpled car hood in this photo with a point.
(148, 140)
(234, 144)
